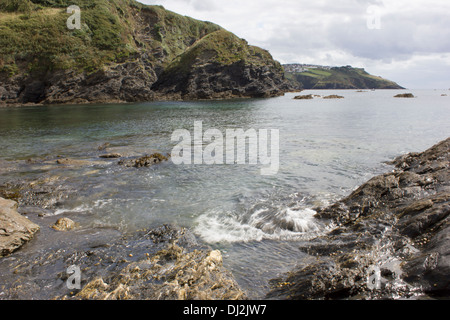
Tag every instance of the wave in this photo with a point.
(267, 223)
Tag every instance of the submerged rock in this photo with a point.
(333, 96)
(304, 97)
(15, 229)
(145, 161)
(64, 224)
(391, 237)
(104, 146)
(76, 162)
(45, 192)
(110, 156)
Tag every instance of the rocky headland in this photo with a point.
(125, 51)
(327, 77)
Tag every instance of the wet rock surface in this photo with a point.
(157, 263)
(64, 224)
(144, 161)
(161, 263)
(15, 229)
(390, 237)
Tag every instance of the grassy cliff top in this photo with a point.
(34, 36)
(224, 48)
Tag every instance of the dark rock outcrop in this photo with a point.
(127, 82)
(304, 97)
(333, 96)
(390, 237)
(145, 161)
(221, 66)
(110, 156)
(404, 95)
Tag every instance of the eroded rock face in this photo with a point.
(125, 82)
(176, 272)
(172, 274)
(15, 229)
(160, 263)
(210, 80)
(391, 237)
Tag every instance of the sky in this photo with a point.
(406, 41)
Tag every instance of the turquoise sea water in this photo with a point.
(327, 148)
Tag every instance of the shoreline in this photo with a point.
(178, 98)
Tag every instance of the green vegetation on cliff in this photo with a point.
(223, 48)
(34, 35)
(337, 78)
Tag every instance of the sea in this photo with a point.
(325, 149)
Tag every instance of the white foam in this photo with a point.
(85, 208)
(287, 224)
(82, 208)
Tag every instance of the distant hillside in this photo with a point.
(125, 51)
(322, 77)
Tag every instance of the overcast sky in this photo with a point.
(407, 41)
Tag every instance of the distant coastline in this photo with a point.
(309, 76)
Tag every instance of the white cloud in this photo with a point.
(411, 46)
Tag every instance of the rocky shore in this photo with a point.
(157, 263)
(390, 237)
(161, 263)
(387, 240)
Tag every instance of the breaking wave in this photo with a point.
(259, 223)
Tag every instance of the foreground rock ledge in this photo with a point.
(391, 240)
(15, 229)
(178, 271)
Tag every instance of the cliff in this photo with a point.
(319, 77)
(124, 52)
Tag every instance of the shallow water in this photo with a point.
(327, 148)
